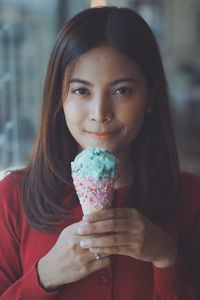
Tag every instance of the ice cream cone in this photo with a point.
(94, 174)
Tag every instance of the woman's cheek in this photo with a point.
(72, 112)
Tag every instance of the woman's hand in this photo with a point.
(125, 231)
(67, 262)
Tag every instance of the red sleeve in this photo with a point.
(15, 285)
(174, 283)
(182, 281)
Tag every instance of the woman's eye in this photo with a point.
(122, 91)
(80, 91)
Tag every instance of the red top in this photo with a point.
(21, 247)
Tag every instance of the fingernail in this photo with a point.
(83, 229)
(85, 243)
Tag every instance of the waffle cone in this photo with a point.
(94, 194)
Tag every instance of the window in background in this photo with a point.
(153, 13)
(27, 32)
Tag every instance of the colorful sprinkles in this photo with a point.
(94, 194)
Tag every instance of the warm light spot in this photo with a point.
(96, 3)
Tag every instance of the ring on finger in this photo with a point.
(97, 256)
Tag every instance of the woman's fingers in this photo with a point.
(126, 231)
(133, 225)
(109, 240)
(106, 252)
(110, 213)
(113, 225)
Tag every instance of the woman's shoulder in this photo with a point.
(12, 217)
(12, 178)
(11, 188)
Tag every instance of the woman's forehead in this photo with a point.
(105, 59)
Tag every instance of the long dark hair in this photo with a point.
(47, 178)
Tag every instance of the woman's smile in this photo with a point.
(101, 135)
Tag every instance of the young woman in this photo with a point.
(105, 87)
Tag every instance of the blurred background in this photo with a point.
(27, 33)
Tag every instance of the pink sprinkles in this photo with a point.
(94, 194)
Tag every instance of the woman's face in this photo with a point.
(107, 100)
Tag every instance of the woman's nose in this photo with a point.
(101, 109)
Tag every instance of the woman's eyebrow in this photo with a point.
(123, 79)
(80, 81)
(113, 82)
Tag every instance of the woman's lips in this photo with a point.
(101, 135)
